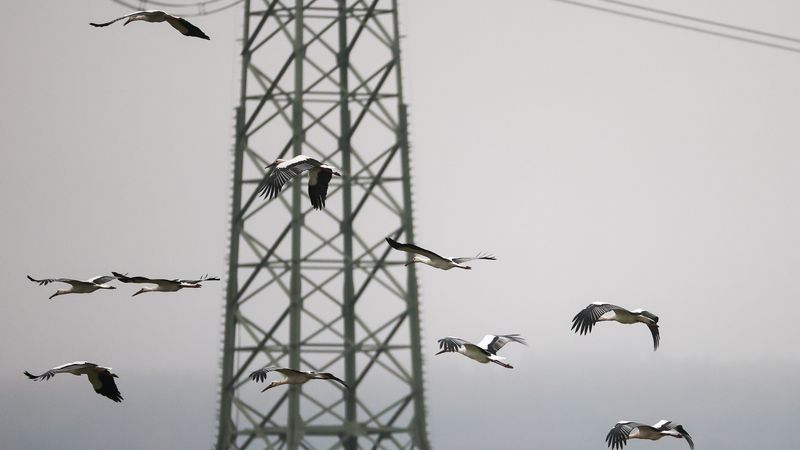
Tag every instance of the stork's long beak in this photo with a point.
(440, 352)
(271, 165)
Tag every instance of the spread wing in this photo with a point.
(60, 369)
(282, 173)
(656, 335)
(586, 319)
(318, 187)
(46, 281)
(329, 376)
(493, 343)
(145, 280)
(411, 248)
(103, 383)
(462, 260)
(451, 344)
(105, 24)
(665, 425)
(186, 28)
(202, 279)
(682, 431)
(103, 279)
(618, 436)
(261, 374)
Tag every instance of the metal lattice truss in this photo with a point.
(320, 290)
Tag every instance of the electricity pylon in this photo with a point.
(320, 290)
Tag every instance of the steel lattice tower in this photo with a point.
(317, 290)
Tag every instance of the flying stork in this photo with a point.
(319, 175)
(180, 24)
(598, 311)
(432, 259)
(77, 286)
(102, 378)
(626, 429)
(161, 284)
(485, 351)
(292, 377)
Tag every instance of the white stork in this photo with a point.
(598, 312)
(485, 351)
(161, 284)
(292, 377)
(180, 24)
(319, 175)
(432, 259)
(625, 430)
(102, 378)
(77, 286)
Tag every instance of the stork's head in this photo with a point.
(275, 163)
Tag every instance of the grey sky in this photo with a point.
(600, 158)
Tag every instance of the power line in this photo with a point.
(685, 27)
(700, 20)
(200, 6)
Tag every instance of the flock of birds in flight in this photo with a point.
(319, 176)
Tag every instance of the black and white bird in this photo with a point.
(77, 286)
(625, 430)
(319, 176)
(163, 285)
(485, 351)
(153, 16)
(292, 377)
(432, 259)
(102, 378)
(598, 312)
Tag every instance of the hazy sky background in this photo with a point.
(599, 157)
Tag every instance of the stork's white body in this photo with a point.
(472, 351)
(439, 263)
(432, 259)
(77, 286)
(319, 176)
(618, 436)
(101, 378)
(163, 284)
(621, 316)
(585, 320)
(292, 376)
(155, 16)
(486, 350)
